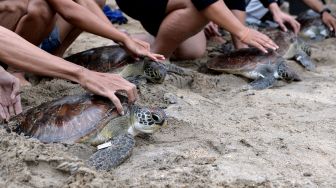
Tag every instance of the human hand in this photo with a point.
(329, 20)
(139, 48)
(10, 101)
(257, 39)
(211, 30)
(282, 18)
(107, 84)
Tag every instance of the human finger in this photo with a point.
(6, 112)
(2, 112)
(11, 110)
(215, 30)
(131, 93)
(259, 46)
(282, 26)
(295, 25)
(16, 89)
(117, 103)
(155, 57)
(142, 43)
(18, 106)
(333, 28)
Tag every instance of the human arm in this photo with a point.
(30, 58)
(222, 16)
(10, 102)
(241, 15)
(327, 18)
(86, 20)
(281, 18)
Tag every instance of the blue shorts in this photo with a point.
(51, 43)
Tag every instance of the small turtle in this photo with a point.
(115, 59)
(102, 59)
(92, 120)
(251, 63)
(291, 47)
(312, 26)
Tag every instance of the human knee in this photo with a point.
(190, 54)
(41, 11)
(17, 6)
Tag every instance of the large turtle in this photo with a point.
(291, 47)
(93, 120)
(115, 59)
(251, 63)
(312, 26)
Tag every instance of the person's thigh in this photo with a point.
(11, 12)
(182, 22)
(192, 48)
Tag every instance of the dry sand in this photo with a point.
(218, 135)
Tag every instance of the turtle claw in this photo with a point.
(302, 58)
(119, 149)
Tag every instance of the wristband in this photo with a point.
(325, 10)
(245, 35)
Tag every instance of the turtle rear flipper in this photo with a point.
(119, 149)
(302, 58)
(284, 72)
(263, 82)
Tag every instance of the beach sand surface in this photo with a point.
(218, 134)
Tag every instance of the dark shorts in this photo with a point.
(236, 4)
(151, 13)
(51, 43)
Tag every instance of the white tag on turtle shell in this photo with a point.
(103, 146)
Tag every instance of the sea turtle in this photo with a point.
(251, 63)
(115, 59)
(312, 26)
(291, 47)
(92, 120)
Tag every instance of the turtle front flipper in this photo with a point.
(138, 80)
(119, 149)
(302, 58)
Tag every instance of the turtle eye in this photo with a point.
(156, 118)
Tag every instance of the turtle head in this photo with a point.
(284, 72)
(147, 120)
(154, 71)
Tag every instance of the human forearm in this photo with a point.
(241, 15)
(222, 16)
(316, 5)
(94, 8)
(85, 20)
(28, 57)
(274, 8)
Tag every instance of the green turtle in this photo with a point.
(102, 59)
(291, 47)
(312, 26)
(92, 120)
(251, 63)
(115, 59)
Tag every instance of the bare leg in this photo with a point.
(69, 33)
(11, 11)
(173, 31)
(34, 26)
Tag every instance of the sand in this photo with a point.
(218, 135)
